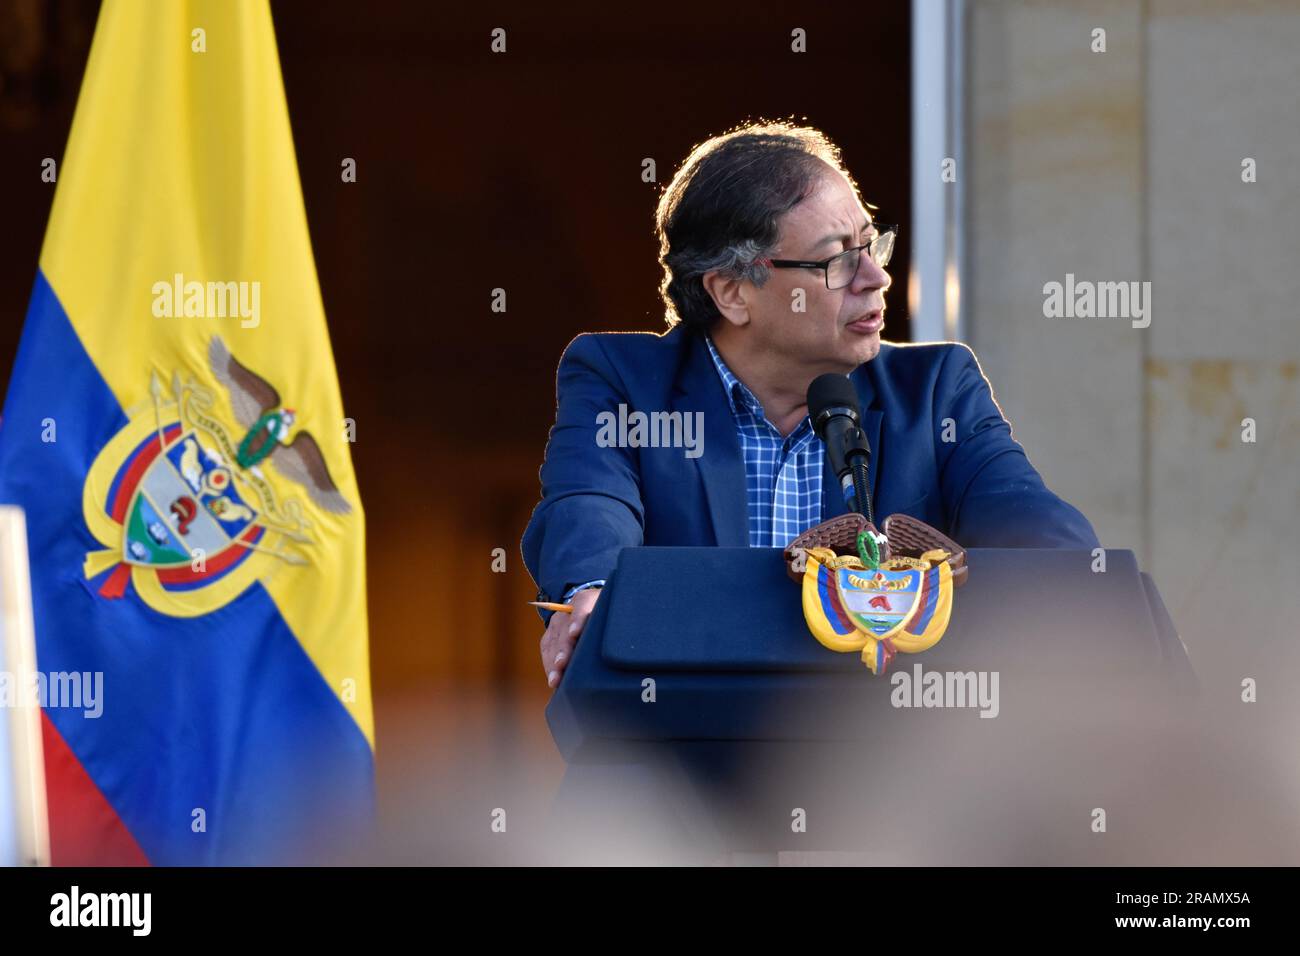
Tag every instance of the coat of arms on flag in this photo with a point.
(184, 507)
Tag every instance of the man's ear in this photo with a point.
(729, 296)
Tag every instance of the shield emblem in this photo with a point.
(880, 602)
(186, 501)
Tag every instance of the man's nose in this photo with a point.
(870, 276)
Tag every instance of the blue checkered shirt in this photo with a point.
(783, 476)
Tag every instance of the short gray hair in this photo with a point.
(721, 209)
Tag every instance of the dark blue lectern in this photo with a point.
(697, 685)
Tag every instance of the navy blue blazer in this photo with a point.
(979, 488)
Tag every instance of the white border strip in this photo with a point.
(934, 288)
(19, 637)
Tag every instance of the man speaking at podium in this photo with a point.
(774, 274)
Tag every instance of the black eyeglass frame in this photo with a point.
(882, 230)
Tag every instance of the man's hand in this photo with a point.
(562, 633)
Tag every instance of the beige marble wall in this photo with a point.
(1224, 85)
(1054, 184)
(1127, 165)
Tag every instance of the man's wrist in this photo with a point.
(568, 595)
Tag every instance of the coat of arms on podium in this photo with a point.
(877, 594)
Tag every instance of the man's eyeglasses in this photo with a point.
(841, 269)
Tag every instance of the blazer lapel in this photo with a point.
(832, 497)
(722, 470)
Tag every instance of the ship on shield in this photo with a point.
(189, 506)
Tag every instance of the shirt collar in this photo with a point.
(738, 394)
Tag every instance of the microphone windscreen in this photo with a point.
(831, 391)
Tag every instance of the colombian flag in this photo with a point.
(174, 432)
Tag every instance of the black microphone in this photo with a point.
(834, 411)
